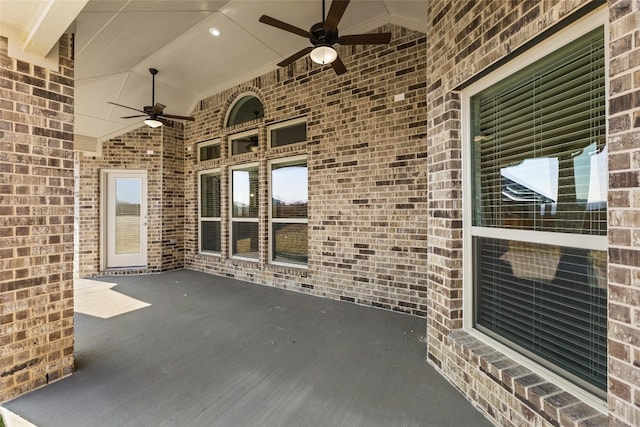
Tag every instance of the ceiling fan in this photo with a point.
(154, 112)
(324, 35)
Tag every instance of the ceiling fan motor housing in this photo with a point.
(319, 36)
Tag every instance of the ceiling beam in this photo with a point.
(50, 24)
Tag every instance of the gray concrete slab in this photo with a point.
(212, 351)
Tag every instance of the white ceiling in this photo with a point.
(117, 41)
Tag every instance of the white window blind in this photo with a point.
(210, 230)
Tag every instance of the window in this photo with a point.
(209, 213)
(244, 142)
(244, 211)
(245, 108)
(538, 181)
(288, 216)
(289, 132)
(209, 150)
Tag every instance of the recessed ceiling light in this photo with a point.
(215, 31)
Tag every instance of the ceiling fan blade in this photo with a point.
(338, 66)
(124, 106)
(374, 38)
(335, 15)
(165, 122)
(284, 26)
(157, 108)
(134, 117)
(299, 54)
(171, 116)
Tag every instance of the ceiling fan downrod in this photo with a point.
(153, 72)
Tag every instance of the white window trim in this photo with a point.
(207, 143)
(256, 220)
(546, 47)
(284, 220)
(207, 219)
(240, 135)
(283, 124)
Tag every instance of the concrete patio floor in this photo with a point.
(190, 349)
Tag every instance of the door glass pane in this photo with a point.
(127, 192)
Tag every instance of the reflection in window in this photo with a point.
(287, 133)
(289, 207)
(244, 109)
(245, 142)
(244, 212)
(209, 150)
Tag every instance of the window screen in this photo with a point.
(539, 164)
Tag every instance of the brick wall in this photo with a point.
(465, 38)
(36, 222)
(165, 201)
(172, 198)
(367, 178)
(624, 213)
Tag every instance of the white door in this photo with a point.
(126, 219)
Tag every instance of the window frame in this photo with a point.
(287, 123)
(217, 171)
(256, 220)
(293, 160)
(253, 131)
(239, 98)
(202, 144)
(563, 37)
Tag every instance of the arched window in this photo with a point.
(245, 108)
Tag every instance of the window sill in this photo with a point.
(548, 400)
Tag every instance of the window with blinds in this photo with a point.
(288, 217)
(210, 222)
(539, 218)
(244, 212)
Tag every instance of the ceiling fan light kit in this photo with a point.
(153, 123)
(323, 35)
(323, 55)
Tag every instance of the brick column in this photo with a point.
(624, 214)
(36, 221)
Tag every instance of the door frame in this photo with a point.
(104, 182)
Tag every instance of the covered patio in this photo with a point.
(188, 348)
